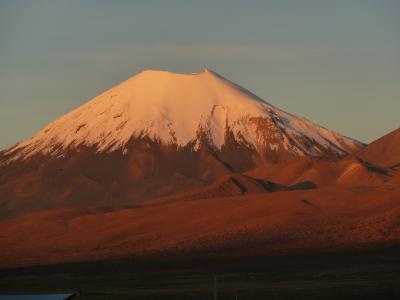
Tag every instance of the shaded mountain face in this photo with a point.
(156, 134)
(385, 151)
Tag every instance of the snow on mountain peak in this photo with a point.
(173, 109)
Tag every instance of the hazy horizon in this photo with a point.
(335, 63)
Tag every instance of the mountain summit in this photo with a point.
(184, 110)
(156, 134)
(385, 151)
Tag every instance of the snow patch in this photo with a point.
(173, 108)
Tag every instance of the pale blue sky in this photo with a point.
(334, 62)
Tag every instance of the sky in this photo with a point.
(336, 63)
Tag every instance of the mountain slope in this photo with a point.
(230, 186)
(156, 134)
(253, 225)
(385, 151)
(349, 171)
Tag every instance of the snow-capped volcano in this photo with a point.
(183, 110)
(153, 135)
